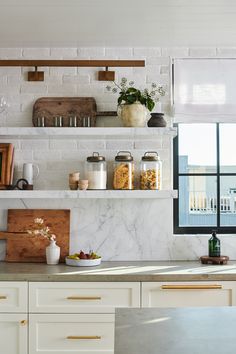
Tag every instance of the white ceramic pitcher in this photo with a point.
(30, 172)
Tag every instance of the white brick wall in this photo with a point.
(56, 158)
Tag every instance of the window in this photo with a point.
(205, 176)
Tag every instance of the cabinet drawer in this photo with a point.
(13, 296)
(13, 333)
(95, 297)
(83, 333)
(187, 294)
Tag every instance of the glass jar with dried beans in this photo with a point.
(123, 173)
(151, 171)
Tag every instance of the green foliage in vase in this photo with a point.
(128, 94)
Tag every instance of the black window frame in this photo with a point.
(199, 229)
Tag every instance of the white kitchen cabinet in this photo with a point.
(13, 296)
(84, 297)
(77, 334)
(188, 294)
(13, 334)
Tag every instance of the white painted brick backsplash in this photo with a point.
(165, 69)
(63, 144)
(10, 53)
(34, 144)
(148, 144)
(36, 53)
(62, 71)
(178, 52)
(147, 52)
(61, 53)
(34, 87)
(53, 79)
(91, 52)
(119, 53)
(11, 89)
(119, 145)
(229, 52)
(78, 79)
(4, 70)
(163, 79)
(46, 155)
(202, 52)
(3, 80)
(66, 89)
(91, 145)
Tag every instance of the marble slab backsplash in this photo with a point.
(127, 229)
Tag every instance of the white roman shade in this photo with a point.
(204, 90)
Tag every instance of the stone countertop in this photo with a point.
(208, 330)
(134, 271)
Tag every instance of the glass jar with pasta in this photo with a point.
(123, 174)
(151, 171)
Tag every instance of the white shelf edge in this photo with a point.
(97, 131)
(89, 194)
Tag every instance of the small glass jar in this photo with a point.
(151, 171)
(96, 171)
(123, 172)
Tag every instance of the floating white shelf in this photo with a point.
(86, 132)
(93, 194)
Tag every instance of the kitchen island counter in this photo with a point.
(134, 271)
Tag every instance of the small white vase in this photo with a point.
(52, 253)
(133, 115)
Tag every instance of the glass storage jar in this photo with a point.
(96, 171)
(151, 171)
(123, 173)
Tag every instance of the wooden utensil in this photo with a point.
(22, 247)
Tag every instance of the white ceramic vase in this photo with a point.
(133, 115)
(52, 253)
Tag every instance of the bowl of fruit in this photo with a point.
(83, 259)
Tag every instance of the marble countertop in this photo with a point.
(134, 271)
(208, 330)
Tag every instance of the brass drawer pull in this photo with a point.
(23, 323)
(190, 287)
(84, 298)
(3, 297)
(83, 337)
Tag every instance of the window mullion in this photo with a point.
(218, 174)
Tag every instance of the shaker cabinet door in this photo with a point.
(188, 294)
(13, 334)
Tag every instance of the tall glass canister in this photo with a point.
(123, 172)
(151, 171)
(96, 171)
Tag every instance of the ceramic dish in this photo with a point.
(83, 262)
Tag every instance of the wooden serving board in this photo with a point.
(222, 260)
(66, 107)
(22, 247)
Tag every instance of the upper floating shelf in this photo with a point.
(87, 132)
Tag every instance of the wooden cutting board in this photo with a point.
(50, 107)
(22, 247)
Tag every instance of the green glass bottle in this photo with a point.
(214, 245)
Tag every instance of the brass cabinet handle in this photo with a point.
(189, 287)
(3, 297)
(23, 323)
(84, 298)
(83, 337)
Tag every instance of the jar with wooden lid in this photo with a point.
(123, 173)
(151, 171)
(96, 171)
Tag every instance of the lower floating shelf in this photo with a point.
(88, 194)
